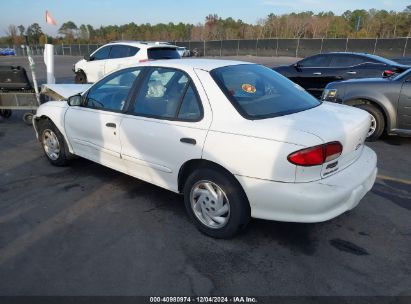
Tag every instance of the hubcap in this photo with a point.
(210, 204)
(51, 144)
(373, 126)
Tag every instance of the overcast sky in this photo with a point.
(104, 12)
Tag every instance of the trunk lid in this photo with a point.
(333, 122)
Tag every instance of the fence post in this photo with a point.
(221, 46)
(238, 47)
(321, 47)
(276, 49)
(70, 50)
(62, 48)
(256, 48)
(204, 48)
(405, 47)
(346, 45)
(296, 50)
(375, 45)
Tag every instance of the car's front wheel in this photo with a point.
(216, 203)
(80, 77)
(377, 121)
(53, 143)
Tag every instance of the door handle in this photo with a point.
(110, 125)
(317, 73)
(352, 72)
(186, 140)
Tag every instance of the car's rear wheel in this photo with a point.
(377, 121)
(53, 143)
(216, 203)
(80, 77)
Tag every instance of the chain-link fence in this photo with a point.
(390, 48)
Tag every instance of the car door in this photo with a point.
(121, 56)
(350, 66)
(311, 73)
(95, 66)
(404, 106)
(166, 125)
(93, 128)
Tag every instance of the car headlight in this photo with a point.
(329, 95)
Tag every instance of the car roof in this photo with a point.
(143, 44)
(202, 64)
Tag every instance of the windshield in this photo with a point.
(258, 92)
(163, 53)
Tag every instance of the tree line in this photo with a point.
(351, 24)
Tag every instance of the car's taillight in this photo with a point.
(388, 73)
(315, 156)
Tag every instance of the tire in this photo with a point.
(28, 118)
(233, 205)
(378, 123)
(80, 77)
(53, 143)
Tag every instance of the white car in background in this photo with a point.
(116, 55)
(238, 140)
(183, 51)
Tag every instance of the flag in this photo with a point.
(50, 19)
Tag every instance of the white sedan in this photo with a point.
(236, 139)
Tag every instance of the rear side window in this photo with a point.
(163, 53)
(316, 61)
(168, 94)
(346, 60)
(258, 92)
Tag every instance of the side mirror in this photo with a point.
(74, 100)
(297, 65)
(87, 57)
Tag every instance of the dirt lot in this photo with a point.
(88, 230)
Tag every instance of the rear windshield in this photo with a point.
(258, 92)
(163, 53)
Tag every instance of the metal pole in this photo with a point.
(276, 50)
(375, 45)
(204, 47)
(238, 46)
(62, 48)
(321, 47)
(296, 50)
(256, 48)
(405, 47)
(33, 73)
(221, 47)
(346, 45)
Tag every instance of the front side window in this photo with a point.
(122, 51)
(258, 92)
(111, 92)
(168, 94)
(119, 51)
(102, 53)
(319, 61)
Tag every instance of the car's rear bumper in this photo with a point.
(313, 201)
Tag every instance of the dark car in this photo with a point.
(315, 72)
(388, 100)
